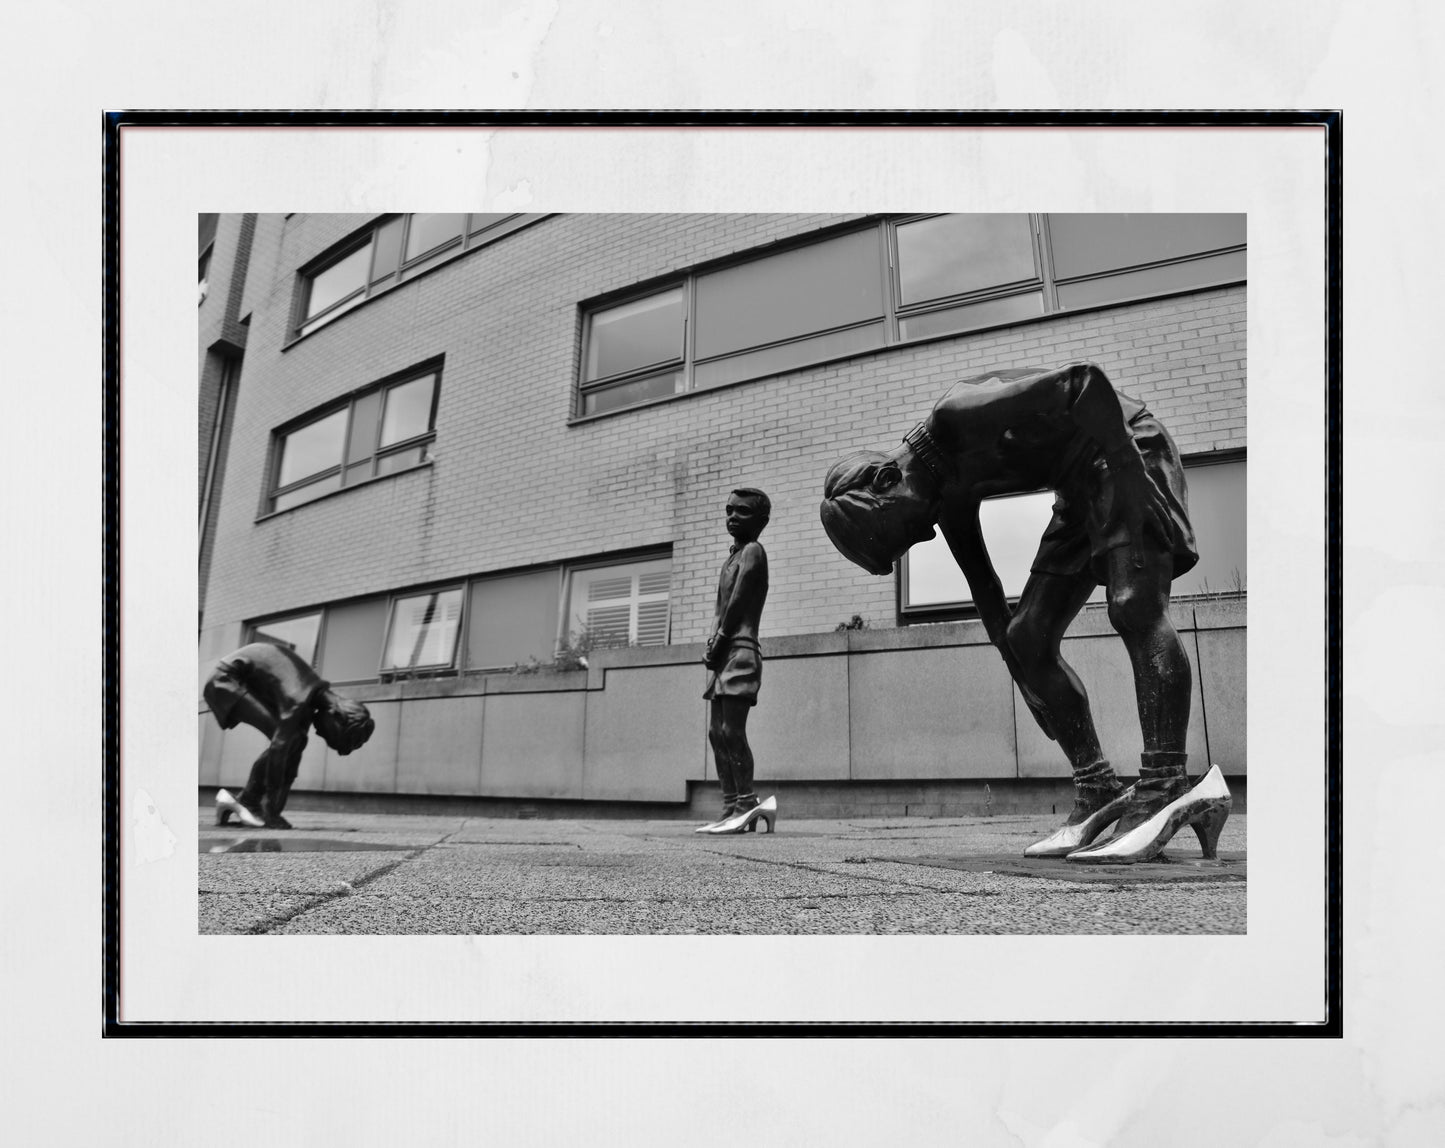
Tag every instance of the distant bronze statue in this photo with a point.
(1120, 519)
(735, 665)
(270, 688)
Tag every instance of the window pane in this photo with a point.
(635, 335)
(339, 280)
(635, 391)
(955, 254)
(428, 231)
(971, 316)
(361, 442)
(408, 410)
(1012, 528)
(1217, 511)
(788, 356)
(388, 249)
(297, 633)
(402, 459)
(1206, 271)
(311, 448)
(811, 289)
(512, 619)
(308, 493)
(353, 640)
(480, 222)
(616, 605)
(424, 630)
(1084, 244)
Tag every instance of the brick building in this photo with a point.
(436, 449)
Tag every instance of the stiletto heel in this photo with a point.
(1204, 808)
(1209, 824)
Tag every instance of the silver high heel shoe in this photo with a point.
(1205, 808)
(227, 805)
(1067, 838)
(711, 826)
(746, 821)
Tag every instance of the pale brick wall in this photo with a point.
(515, 485)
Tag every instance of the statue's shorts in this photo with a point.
(741, 673)
(1089, 514)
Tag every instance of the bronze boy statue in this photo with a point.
(736, 664)
(1120, 519)
(270, 688)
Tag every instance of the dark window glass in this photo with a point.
(480, 222)
(429, 231)
(971, 316)
(956, 254)
(207, 230)
(354, 632)
(1218, 506)
(341, 279)
(835, 283)
(632, 392)
(635, 335)
(388, 249)
(362, 440)
(512, 619)
(296, 633)
(311, 448)
(1205, 271)
(787, 356)
(1086, 244)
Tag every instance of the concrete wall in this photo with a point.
(904, 705)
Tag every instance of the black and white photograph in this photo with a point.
(976, 659)
(834, 610)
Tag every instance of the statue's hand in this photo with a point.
(712, 655)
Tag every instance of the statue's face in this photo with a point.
(875, 524)
(745, 519)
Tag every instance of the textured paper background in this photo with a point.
(1380, 1084)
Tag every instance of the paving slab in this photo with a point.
(376, 873)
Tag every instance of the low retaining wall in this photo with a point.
(908, 705)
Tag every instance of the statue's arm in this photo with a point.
(960, 526)
(749, 589)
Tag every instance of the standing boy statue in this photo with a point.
(1120, 519)
(735, 664)
(270, 688)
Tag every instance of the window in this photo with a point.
(933, 587)
(205, 269)
(422, 631)
(351, 648)
(512, 619)
(889, 281)
(379, 431)
(297, 633)
(621, 605)
(390, 250)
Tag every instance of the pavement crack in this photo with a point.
(350, 889)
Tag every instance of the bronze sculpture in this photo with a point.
(268, 687)
(1120, 519)
(735, 665)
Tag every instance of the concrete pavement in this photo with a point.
(374, 873)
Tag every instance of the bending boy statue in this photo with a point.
(270, 688)
(736, 665)
(1120, 519)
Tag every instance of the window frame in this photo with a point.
(449, 668)
(345, 463)
(614, 562)
(1043, 283)
(253, 628)
(379, 280)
